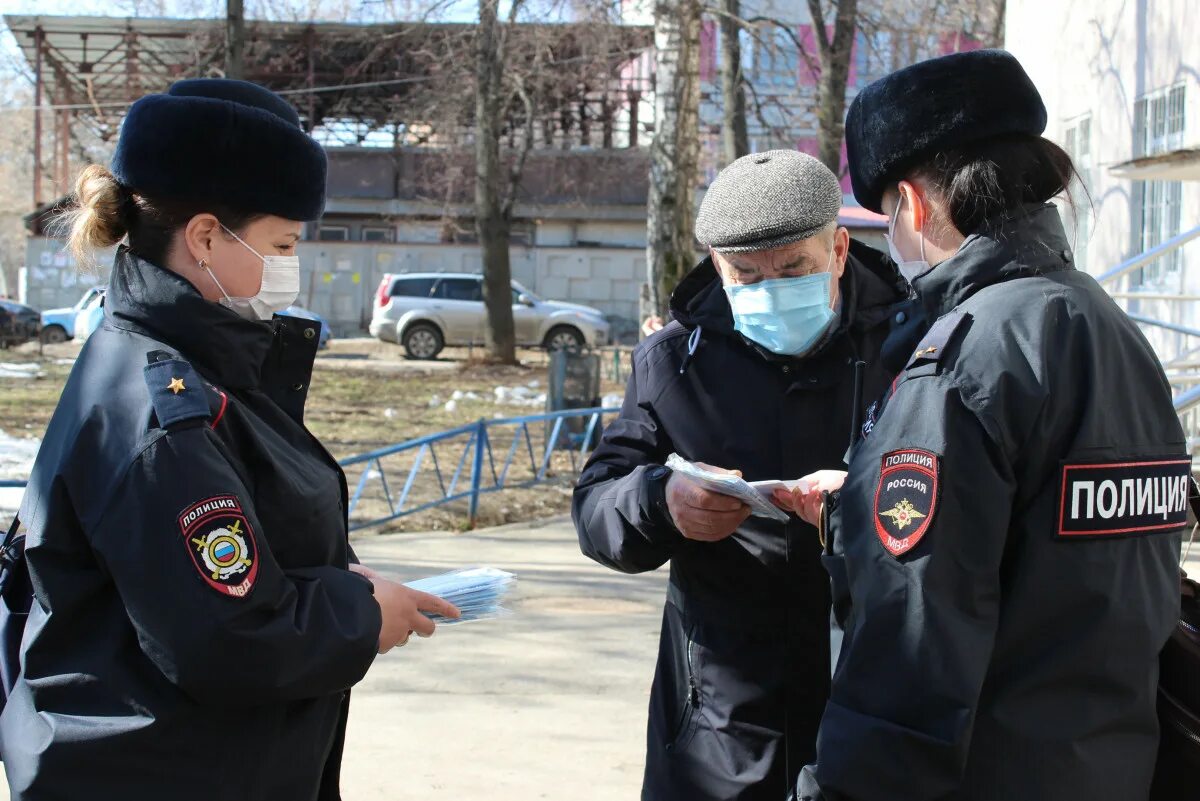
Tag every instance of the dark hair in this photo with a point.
(106, 211)
(990, 179)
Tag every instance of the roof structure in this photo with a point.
(392, 85)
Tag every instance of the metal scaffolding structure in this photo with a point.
(390, 85)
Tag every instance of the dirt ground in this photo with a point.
(366, 396)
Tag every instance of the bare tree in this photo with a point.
(493, 203)
(675, 149)
(735, 140)
(833, 54)
(235, 38)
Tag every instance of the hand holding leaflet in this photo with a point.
(731, 485)
(478, 592)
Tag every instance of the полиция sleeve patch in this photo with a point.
(906, 498)
(1123, 497)
(221, 544)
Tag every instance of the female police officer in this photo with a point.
(1007, 536)
(196, 627)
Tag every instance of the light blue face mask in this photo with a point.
(785, 315)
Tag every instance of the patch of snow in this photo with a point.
(612, 401)
(21, 371)
(17, 455)
(65, 362)
(16, 461)
(389, 413)
(519, 396)
(451, 406)
(435, 400)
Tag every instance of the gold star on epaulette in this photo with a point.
(176, 385)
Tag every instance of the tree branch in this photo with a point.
(750, 25)
(818, 25)
(517, 167)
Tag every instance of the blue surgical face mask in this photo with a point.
(785, 315)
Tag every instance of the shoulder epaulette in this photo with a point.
(932, 347)
(176, 390)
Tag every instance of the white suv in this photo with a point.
(424, 312)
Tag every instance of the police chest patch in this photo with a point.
(906, 498)
(221, 543)
(1123, 498)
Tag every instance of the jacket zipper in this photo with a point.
(693, 699)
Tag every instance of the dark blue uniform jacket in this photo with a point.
(195, 631)
(1005, 549)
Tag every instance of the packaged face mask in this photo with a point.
(478, 592)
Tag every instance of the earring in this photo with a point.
(202, 264)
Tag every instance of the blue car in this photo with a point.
(58, 325)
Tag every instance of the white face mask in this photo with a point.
(280, 286)
(911, 270)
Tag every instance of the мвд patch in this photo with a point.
(221, 543)
(906, 498)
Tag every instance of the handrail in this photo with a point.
(1157, 296)
(1151, 255)
(482, 461)
(474, 463)
(1178, 329)
(1187, 400)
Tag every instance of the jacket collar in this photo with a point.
(151, 300)
(1030, 242)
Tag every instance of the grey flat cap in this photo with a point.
(767, 200)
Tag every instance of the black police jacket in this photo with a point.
(1005, 548)
(195, 630)
(744, 665)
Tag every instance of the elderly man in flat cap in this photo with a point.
(754, 373)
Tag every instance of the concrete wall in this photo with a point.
(52, 280)
(1097, 58)
(338, 280)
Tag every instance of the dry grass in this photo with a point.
(365, 397)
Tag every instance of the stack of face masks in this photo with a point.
(728, 484)
(477, 592)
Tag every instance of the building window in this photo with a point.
(772, 57)
(1078, 143)
(333, 233)
(1158, 127)
(1161, 218)
(378, 235)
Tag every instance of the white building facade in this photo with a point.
(1121, 83)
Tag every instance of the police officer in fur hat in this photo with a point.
(1007, 539)
(198, 617)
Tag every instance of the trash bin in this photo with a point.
(574, 383)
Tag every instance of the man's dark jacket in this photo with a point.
(744, 658)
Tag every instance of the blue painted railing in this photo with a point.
(483, 473)
(482, 476)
